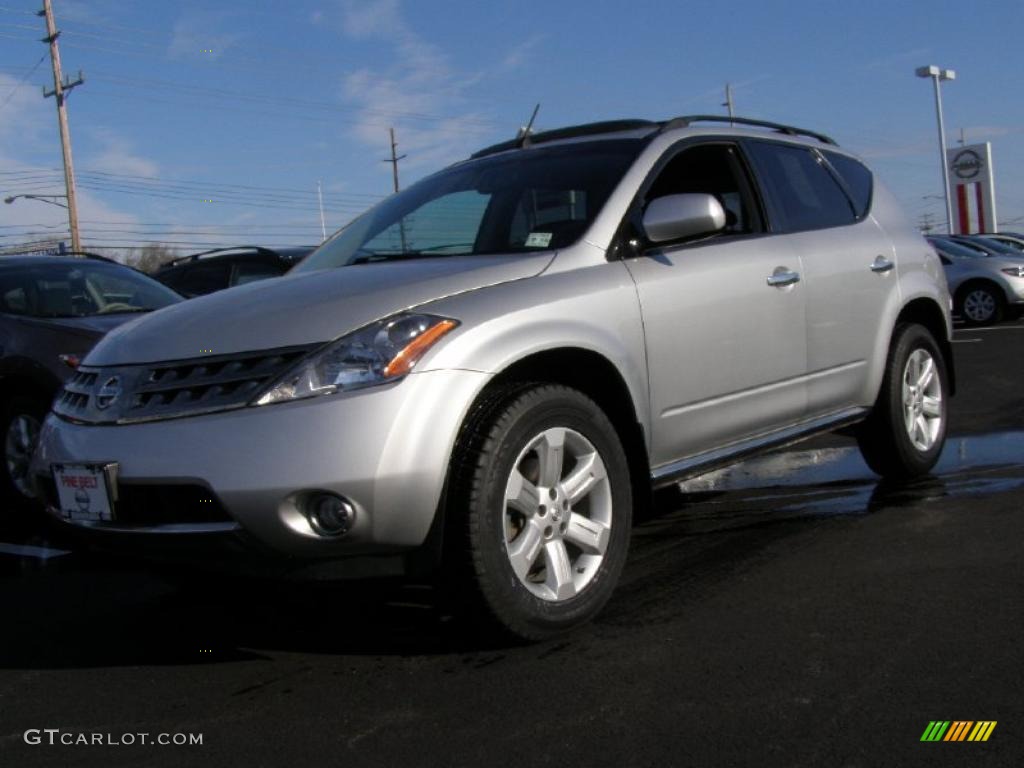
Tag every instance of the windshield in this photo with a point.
(519, 202)
(80, 289)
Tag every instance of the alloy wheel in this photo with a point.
(19, 443)
(558, 514)
(922, 400)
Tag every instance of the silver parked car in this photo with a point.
(519, 348)
(983, 285)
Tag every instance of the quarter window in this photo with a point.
(857, 178)
(804, 194)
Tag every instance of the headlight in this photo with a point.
(1014, 271)
(382, 351)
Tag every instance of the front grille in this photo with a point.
(140, 506)
(132, 393)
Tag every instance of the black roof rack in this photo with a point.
(588, 129)
(195, 256)
(789, 130)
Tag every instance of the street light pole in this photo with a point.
(937, 74)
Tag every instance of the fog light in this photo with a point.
(328, 514)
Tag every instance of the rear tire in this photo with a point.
(906, 431)
(540, 511)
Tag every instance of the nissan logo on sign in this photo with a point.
(967, 164)
(109, 392)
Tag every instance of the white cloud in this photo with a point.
(117, 156)
(421, 95)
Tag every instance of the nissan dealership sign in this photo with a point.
(972, 188)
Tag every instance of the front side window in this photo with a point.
(523, 201)
(713, 169)
(803, 193)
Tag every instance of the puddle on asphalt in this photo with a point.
(837, 481)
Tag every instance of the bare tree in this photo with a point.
(149, 258)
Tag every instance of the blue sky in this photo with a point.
(250, 104)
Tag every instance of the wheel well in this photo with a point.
(16, 386)
(927, 313)
(597, 378)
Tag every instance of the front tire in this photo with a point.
(906, 431)
(980, 304)
(20, 421)
(542, 510)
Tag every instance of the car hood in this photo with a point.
(303, 308)
(92, 326)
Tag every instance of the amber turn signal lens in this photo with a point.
(403, 362)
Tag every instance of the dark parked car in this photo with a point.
(210, 271)
(53, 309)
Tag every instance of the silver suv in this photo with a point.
(518, 349)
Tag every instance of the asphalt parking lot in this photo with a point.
(790, 611)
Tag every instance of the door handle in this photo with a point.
(782, 277)
(881, 264)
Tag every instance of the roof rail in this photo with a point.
(90, 255)
(789, 130)
(588, 129)
(195, 256)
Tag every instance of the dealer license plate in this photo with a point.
(84, 491)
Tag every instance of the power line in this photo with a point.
(22, 81)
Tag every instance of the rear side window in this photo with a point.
(857, 178)
(251, 271)
(202, 278)
(802, 192)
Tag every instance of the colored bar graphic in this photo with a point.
(958, 730)
(982, 730)
(935, 730)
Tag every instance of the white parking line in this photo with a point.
(27, 550)
(966, 341)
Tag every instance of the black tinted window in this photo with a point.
(251, 271)
(803, 193)
(202, 278)
(857, 179)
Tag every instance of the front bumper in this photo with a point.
(386, 449)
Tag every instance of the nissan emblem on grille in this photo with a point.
(109, 392)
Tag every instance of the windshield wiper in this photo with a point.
(422, 253)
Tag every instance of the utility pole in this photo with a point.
(728, 100)
(61, 87)
(394, 174)
(320, 198)
(394, 159)
(963, 138)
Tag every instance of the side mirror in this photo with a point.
(676, 216)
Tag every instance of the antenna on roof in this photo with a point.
(523, 139)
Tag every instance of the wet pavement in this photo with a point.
(791, 610)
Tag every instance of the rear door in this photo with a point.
(821, 201)
(726, 349)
